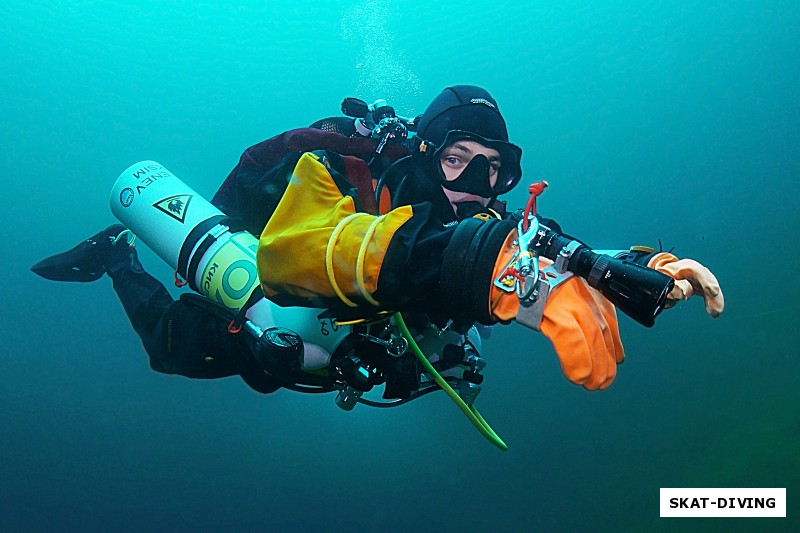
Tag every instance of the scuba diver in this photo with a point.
(380, 215)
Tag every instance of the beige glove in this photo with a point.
(690, 278)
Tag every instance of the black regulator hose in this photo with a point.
(637, 291)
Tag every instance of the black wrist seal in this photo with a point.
(468, 263)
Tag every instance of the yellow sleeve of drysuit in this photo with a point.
(317, 248)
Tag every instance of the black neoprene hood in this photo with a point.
(468, 112)
(466, 108)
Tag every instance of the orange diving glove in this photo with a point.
(690, 278)
(582, 325)
(579, 321)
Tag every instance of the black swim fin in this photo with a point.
(85, 262)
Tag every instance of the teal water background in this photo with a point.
(651, 120)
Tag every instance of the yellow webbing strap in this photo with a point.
(470, 411)
(362, 252)
(329, 258)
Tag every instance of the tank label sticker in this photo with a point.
(148, 174)
(175, 206)
(126, 197)
(231, 275)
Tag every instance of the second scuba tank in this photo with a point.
(204, 247)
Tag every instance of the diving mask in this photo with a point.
(474, 179)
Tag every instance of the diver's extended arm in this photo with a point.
(406, 260)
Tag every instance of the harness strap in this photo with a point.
(357, 172)
(192, 239)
